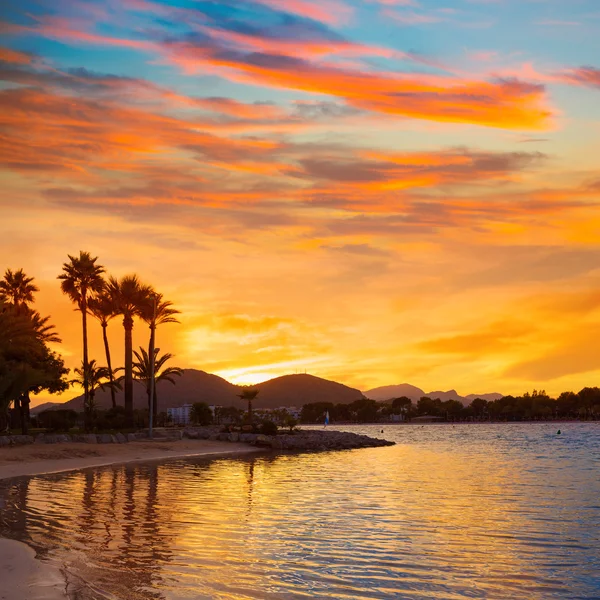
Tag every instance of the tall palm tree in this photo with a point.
(102, 308)
(249, 394)
(81, 278)
(17, 289)
(142, 370)
(130, 297)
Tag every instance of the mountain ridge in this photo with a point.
(199, 386)
(387, 392)
(287, 390)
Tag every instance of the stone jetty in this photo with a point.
(300, 440)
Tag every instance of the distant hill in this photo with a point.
(489, 397)
(296, 390)
(198, 386)
(388, 392)
(395, 391)
(45, 406)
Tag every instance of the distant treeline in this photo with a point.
(537, 406)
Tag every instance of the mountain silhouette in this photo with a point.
(387, 392)
(199, 386)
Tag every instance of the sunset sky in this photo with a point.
(374, 191)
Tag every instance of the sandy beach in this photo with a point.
(35, 459)
(25, 578)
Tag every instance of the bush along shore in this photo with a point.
(296, 440)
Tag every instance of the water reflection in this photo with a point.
(424, 519)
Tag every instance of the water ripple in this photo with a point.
(482, 511)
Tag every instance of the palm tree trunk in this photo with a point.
(86, 393)
(128, 325)
(250, 411)
(25, 413)
(155, 404)
(109, 365)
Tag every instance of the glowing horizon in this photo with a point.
(376, 192)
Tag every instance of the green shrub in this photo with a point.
(268, 428)
(58, 420)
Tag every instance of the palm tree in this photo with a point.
(44, 331)
(130, 297)
(102, 308)
(142, 370)
(17, 289)
(82, 277)
(249, 394)
(98, 378)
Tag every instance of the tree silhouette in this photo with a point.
(17, 289)
(81, 278)
(102, 308)
(130, 298)
(142, 372)
(249, 394)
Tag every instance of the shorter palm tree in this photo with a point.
(17, 289)
(142, 371)
(249, 394)
(97, 378)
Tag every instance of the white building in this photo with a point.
(180, 415)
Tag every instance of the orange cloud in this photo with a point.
(271, 61)
(14, 56)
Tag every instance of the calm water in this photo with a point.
(475, 511)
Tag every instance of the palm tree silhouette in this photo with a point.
(102, 308)
(157, 312)
(130, 297)
(249, 394)
(17, 289)
(98, 378)
(82, 277)
(142, 372)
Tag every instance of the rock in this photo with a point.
(105, 438)
(205, 434)
(314, 441)
(213, 437)
(223, 437)
(21, 440)
(4, 440)
(89, 438)
(121, 439)
(131, 437)
(40, 438)
(234, 437)
(263, 440)
(191, 434)
(141, 435)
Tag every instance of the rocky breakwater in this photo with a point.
(302, 440)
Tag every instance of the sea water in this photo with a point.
(452, 511)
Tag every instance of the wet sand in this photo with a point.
(23, 577)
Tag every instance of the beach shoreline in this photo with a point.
(40, 459)
(23, 576)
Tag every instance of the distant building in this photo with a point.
(180, 415)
